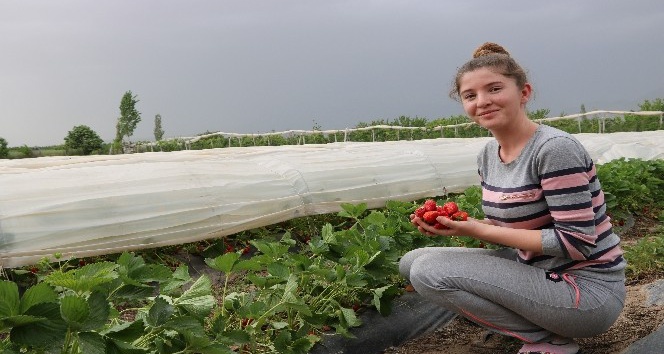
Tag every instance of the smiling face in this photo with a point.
(492, 100)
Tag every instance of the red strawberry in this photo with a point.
(450, 208)
(440, 226)
(419, 212)
(246, 321)
(441, 210)
(460, 216)
(430, 205)
(430, 217)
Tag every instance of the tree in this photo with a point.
(84, 138)
(583, 109)
(538, 114)
(129, 117)
(158, 130)
(655, 105)
(4, 151)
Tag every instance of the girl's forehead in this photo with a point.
(481, 75)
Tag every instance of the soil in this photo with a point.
(635, 322)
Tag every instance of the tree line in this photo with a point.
(81, 139)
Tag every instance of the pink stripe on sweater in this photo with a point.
(515, 197)
(574, 215)
(531, 224)
(606, 258)
(571, 180)
(598, 200)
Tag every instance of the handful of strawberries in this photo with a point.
(430, 210)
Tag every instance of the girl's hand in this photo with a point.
(454, 228)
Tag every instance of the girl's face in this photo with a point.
(491, 99)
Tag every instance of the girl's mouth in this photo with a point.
(487, 113)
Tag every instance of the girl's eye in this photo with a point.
(468, 96)
(495, 89)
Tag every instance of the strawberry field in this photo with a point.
(275, 289)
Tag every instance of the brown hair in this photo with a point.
(494, 56)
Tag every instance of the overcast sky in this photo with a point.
(249, 66)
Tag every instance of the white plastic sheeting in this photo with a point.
(92, 205)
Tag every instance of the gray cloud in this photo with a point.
(258, 66)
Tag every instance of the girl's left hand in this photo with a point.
(454, 228)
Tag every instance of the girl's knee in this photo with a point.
(406, 262)
(422, 275)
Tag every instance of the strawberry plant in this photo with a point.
(632, 186)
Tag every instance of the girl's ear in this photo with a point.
(526, 92)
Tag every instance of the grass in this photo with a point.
(645, 257)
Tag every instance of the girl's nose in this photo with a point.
(483, 100)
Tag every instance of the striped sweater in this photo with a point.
(553, 186)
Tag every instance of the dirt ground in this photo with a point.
(635, 322)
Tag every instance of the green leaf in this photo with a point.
(352, 211)
(133, 292)
(84, 279)
(126, 332)
(114, 346)
(328, 235)
(279, 325)
(259, 281)
(198, 299)
(192, 330)
(37, 294)
(318, 246)
(303, 345)
(350, 318)
(9, 299)
(179, 278)
(237, 336)
(154, 273)
(376, 218)
(48, 333)
(100, 311)
(356, 280)
(74, 310)
(274, 250)
(383, 297)
(223, 263)
(252, 310)
(128, 266)
(300, 306)
(278, 270)
(92, 343)
(160, 312)
(281, 343)
(289, 289)
(17, 321)
(216, 348)
(248, 264)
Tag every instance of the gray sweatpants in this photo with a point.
(492, 289)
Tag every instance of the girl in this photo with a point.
(560, 274)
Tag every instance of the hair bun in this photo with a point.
(489, 48)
